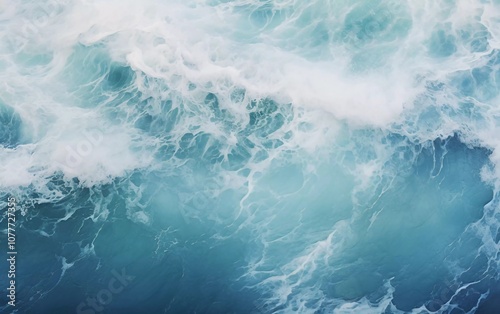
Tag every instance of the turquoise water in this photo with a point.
(252, 156)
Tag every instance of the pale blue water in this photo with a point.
(252, 156)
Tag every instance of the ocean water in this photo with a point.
(251, 156)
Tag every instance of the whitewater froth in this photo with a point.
(295, 156)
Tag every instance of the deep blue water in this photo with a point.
(251, 156)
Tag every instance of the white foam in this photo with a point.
(216, 48)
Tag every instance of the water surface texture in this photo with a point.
(251, 156)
